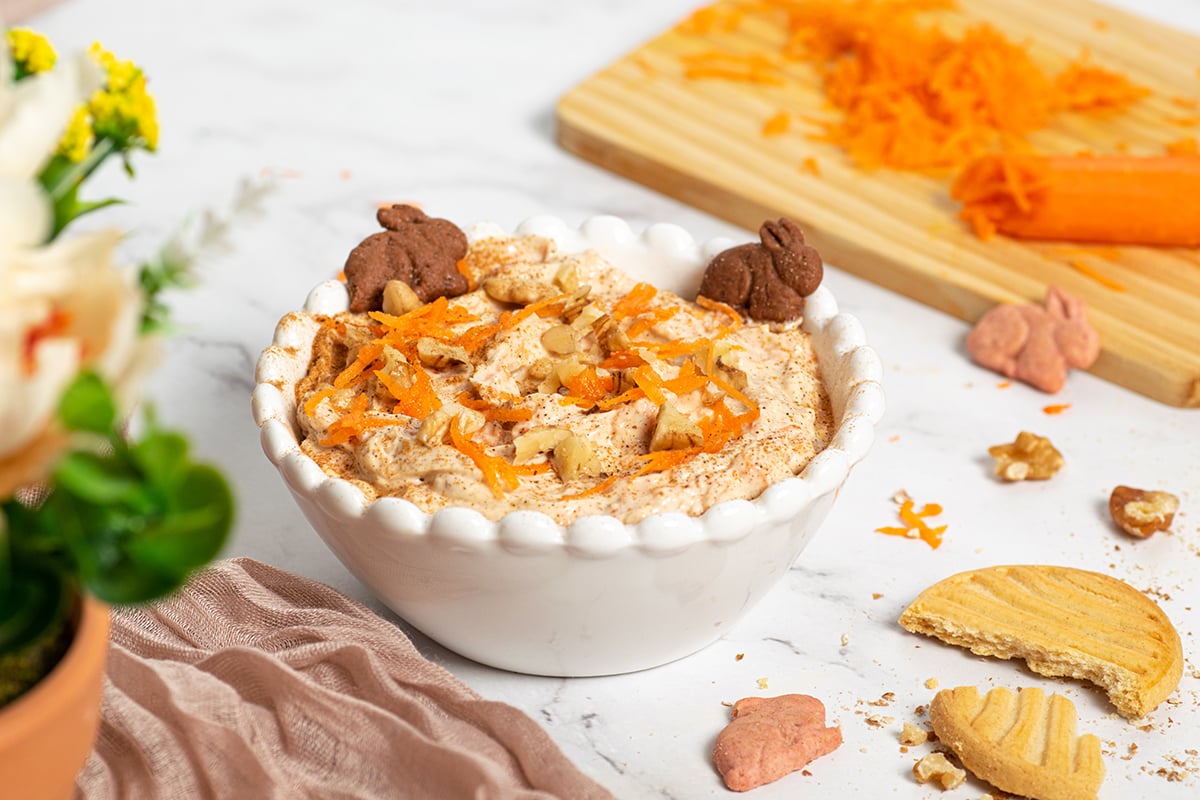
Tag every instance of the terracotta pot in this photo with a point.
(47, 733)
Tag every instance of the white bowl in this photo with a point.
(598, 596)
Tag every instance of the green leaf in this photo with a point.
(95, 479)
(193, 531)
(162, 458)
(88, 405)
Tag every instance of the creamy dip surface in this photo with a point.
(559, 384)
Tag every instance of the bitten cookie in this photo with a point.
(1021, 742)
(1063, 622)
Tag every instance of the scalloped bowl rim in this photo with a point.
(592, 536)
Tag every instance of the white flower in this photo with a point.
(63, 306)
(34, 112)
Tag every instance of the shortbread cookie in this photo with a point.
(1062, 622)
(1021, 742)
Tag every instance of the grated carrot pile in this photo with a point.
(910, 95)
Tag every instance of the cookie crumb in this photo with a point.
(931, 683)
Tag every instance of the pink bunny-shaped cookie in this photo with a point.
(1036, 344)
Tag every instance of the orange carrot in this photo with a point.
(777, 124)
(1149, 200)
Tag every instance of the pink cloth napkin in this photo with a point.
(256, 683)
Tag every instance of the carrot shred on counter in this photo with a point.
(915, 526)
(752, 68)
(1083, 268)
(777, 125)
(1148, 200)
(912, 96)
(1055, 409)
(1183, 147)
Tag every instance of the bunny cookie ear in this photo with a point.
(1061, 305)
(781, 234)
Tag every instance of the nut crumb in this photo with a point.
(845, 640)
(762, 683)
(936, 768)
(911, 735)
(739, 656)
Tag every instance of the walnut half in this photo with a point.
(1141, 513)
(1030, 457)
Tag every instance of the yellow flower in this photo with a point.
(123, 110)
(31, 51)
(77, 140)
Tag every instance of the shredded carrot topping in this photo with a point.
(707, 303)
(498, 474)
(589, 384)
(354, 423)
(367, 355)
(648, 319)
(662, 460)
(634, 302)
(310, 406)
(622, 359)
(651, 383)
(597, 489)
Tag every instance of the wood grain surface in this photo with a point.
(701, 141)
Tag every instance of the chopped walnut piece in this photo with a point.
(912, 735)
(521, 291)
(576, 303)
(537, 440)
(399, 298)
(573, 458)
(936, 768)
(435, 428)
(1029, 457)
(440, 355)
(567, 277)
(559, 340)
(674, 431)
(540, 370)
(1141, 513)
(609, 335)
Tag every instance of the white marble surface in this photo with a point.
(450, 104)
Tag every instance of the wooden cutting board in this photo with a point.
(702, 142)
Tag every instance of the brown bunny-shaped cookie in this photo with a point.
(418, 250)
(1036, 345)
(767, 280)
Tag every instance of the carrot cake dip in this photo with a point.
(554, 383)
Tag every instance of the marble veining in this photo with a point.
(450, 104)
